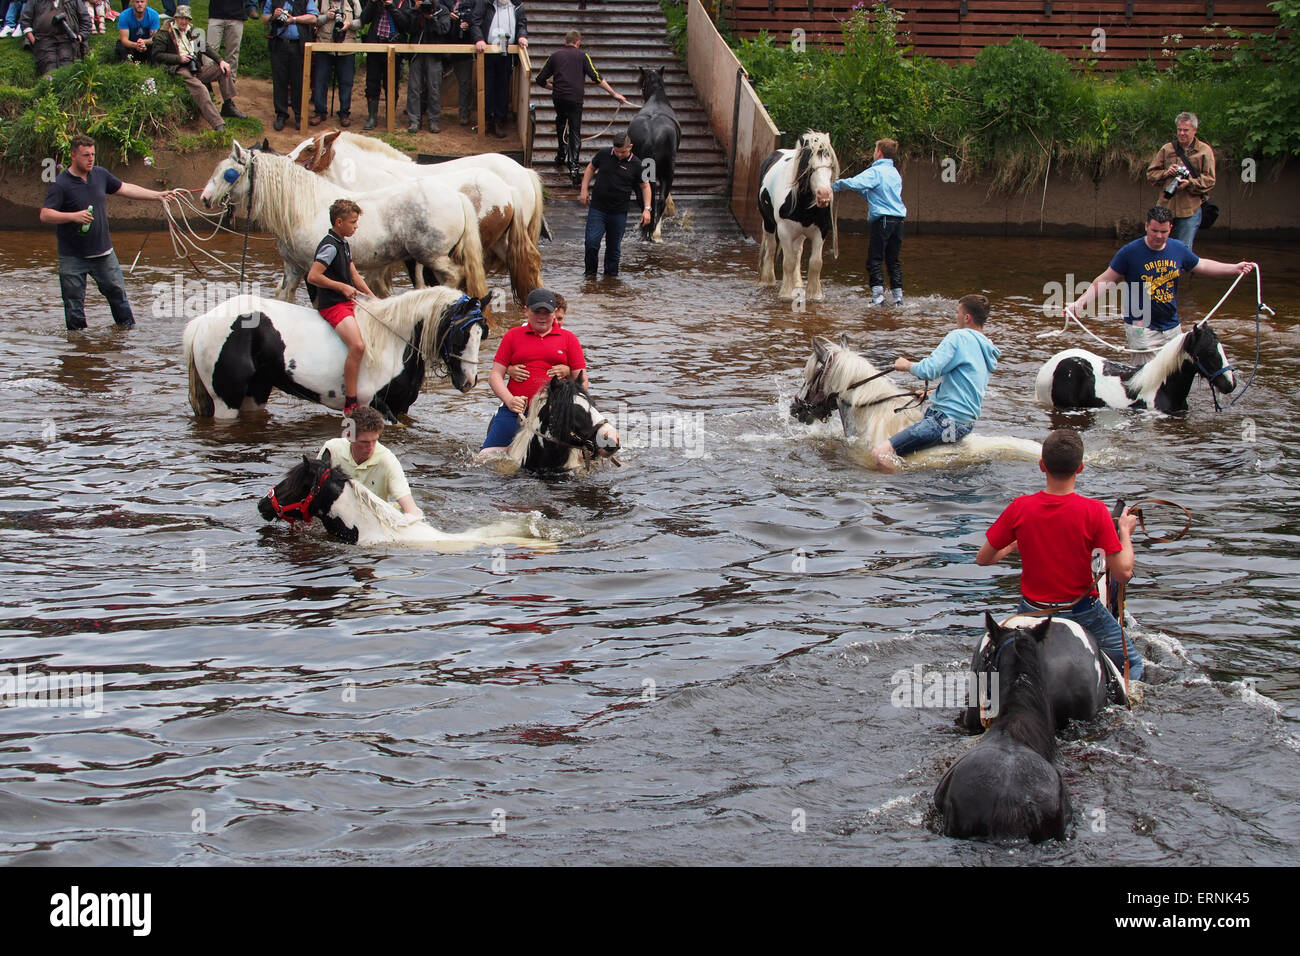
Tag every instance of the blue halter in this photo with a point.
(463, 322)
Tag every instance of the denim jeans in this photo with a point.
(502, 429)
(1185, 229)
(108, 277)
(1092, 615)
(935, 428)
(610, 225)
(342, 65)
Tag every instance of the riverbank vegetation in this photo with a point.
(1020, 110)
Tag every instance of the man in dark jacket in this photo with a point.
(389, 22)
(430, 23)
(500, 23)
(55, 30)
(465, 15)
(289, 23)
(181, 51)
(564, 75)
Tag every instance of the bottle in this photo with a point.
(86, 226)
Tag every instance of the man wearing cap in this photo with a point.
(182, 51)
(545, 351)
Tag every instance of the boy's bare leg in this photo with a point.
(350, 333)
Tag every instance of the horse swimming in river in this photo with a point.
(1007, 786)
(350, 512)
(873, 408)
(796, 203)
(239, 351)
(656, 135)
(562, 431)
(1077, 378)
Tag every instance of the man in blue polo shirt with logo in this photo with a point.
(1151, 267)
(75, 206)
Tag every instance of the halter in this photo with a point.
(822, 410)
(1209, 379)
(466, 321)
(299, 510)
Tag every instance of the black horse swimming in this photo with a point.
(1078, 378)
(1007, 786)
(238, 352)
(562, 431)
(656, 135)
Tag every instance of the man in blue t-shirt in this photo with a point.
(1150, 267)
(74, 205)
(135, 27)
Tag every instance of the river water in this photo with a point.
(702, 671)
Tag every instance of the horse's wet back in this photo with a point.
(719, 643)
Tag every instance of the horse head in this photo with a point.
(306, 492)
(818, 166)
(814, 402)
(461, 331)
(651, 82)
(570, 418)
(1012, 654)
(229, 181)
(1204, 348)
(316, 153)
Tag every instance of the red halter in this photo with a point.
(299, 510)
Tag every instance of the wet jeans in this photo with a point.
(1092, 615)
(107, 274)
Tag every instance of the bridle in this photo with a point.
(1210, 377)
(821, 409)
(463, 323)
(299, 510)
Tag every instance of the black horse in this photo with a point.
(1078, 679)
(656, 136)
(1006, 787)
(562, 431)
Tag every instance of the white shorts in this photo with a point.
(1144, 342)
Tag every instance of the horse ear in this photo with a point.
(844, 340)
(991, 626)
(266, 145)
(326, 457)
(661, 72)
(329, 138)
(1040, 630)
(238, 153)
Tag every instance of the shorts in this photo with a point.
(334, 314)
(935, 428)
(501, 430)
(1144, 339)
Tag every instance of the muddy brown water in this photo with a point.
(701, 672)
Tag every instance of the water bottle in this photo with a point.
(86, 227)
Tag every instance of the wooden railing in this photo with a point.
(522, 75)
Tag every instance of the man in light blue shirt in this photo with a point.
(963, 360)
(288, 24)
(881, 186)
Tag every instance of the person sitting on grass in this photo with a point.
(180, 48)
(136, 27)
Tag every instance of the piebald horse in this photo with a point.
(506, 197)
(873, 408)
(1077, 378)
(796, 203)
(350, 512)
(238, 352)
(656, 136)
(424, 220)
(561, 431)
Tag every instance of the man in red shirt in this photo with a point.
(1057, 533)
(544, 350)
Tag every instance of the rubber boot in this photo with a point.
(877, 295)
(373, 119)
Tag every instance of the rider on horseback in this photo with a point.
(339, 281)
(1057, 532)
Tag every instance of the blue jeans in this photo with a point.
(342, 65)
(1185, 229)
(610, 226)
(935, 428)
(501, 430)
(108, 277)
(1092, 615)
(15, 11)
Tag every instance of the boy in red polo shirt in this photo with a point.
(545, 350)
(1057, 532)
(338, 280)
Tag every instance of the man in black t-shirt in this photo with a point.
(75, 206)
(617, 174)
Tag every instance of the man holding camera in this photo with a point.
(55, 31)
(182, 52)
(289, 23)
(339, 20)
(389, 22)
(430, 23)
(1185, 167)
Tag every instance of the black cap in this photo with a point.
(541, 299)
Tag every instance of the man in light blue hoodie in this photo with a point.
(963, 360)
(881, 186)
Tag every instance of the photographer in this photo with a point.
(180, 48)
(430, 23)
(1185, 168)
(389, 22)
(55, 30)
(500, 23)
(226, 29)
(338, 23)
(135, 28)
(288, 26)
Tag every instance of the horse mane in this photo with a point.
(389, 517)
(380, 319)
(1168, 360)
(849, 367)
(1023, 712)
(801, 175)
(286, 197)
(561, 421)
(372, 145)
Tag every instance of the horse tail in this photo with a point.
(469, 251)
(525, 260)
(200, 397)
(535, 223)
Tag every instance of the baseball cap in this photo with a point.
(541, 299)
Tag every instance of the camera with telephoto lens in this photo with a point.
(338, 20)
(193, 65)
(60, 20)
(1180, 173)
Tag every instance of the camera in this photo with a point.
(193, 66)
(338, 21)
(1180, 173)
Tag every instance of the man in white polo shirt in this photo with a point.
(369, 462)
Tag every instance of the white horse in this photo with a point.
(426, 221)
(506, 196)
(239, 351)
(872, 408)
(796, 203)
(350, 512)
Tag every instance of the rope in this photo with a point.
(1070, 316)
(607, 125)
(1259, 308)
